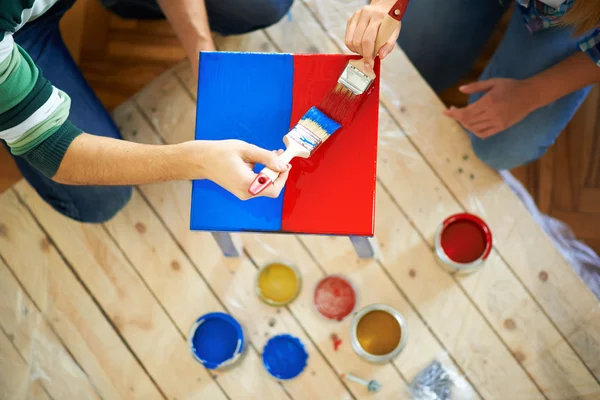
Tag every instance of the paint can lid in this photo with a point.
(463, 241)
(334, 297)
(284, 356)
(216, 340)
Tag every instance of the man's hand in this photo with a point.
(362, 28)
(506, 102)
(230, 164)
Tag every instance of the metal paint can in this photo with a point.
(463, 243)
(379, 342)
(217, 341)
(278, 283)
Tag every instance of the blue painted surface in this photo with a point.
(244, 96)
(318, 117)
(218, 338)
(284, 356)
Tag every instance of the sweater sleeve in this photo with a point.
(33, 113)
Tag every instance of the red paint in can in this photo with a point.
(464, 239)
(334, 297)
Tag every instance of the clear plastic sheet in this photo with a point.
(440, 381)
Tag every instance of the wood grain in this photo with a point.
(126, 300)
(68, 307)
(50, 363)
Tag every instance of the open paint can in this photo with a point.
(378, 333)
(284, 357)
(278, 283)
(462, 243)
(217, 340)
(334, 297)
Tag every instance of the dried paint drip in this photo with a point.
(284, 357)
(216, 340)
(334, 297)
(336, 341)
(378, 333)
(278, 283)
(463, 242)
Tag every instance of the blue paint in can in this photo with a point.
(284, 356)
(216, 340)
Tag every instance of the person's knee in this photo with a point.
(102, 204)
(501, 153)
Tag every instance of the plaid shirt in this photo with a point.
(540, 16)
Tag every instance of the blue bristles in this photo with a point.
(317, 117)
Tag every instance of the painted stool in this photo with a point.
(257, 98)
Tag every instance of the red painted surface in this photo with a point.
(334, 297)
(466, 238)
(399, 7)
(333, 191)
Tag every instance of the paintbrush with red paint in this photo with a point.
(336, 109)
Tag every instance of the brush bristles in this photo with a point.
(319, 124)
(340, 104)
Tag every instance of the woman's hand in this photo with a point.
(362, 28)
(230, 164)
(506, 102)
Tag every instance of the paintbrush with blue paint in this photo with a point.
(313, 129)
(336, 109)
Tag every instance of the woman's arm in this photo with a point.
(508, 101)
(94, 160)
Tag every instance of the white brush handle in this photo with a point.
(267, 176)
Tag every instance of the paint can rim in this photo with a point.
(290, 338)
(453, 266)
(356, 298)
(271, 302)
(358, 349)
(240, 345)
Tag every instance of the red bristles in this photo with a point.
(341, 105)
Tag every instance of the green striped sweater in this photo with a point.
(33, 113)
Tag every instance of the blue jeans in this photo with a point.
(443, 39)
(42, 40)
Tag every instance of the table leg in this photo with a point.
(366, 247)
(227, 244)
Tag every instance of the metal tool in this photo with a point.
(372, 385)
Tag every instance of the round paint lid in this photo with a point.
(334, 297)
(284, 356)
(216, 340)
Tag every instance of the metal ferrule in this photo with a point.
(353, 79)
(305, 138)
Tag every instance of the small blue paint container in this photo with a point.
(216, 340)
(284, 357)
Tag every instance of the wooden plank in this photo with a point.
(14, 379)
(49, 362)
(37, 392)
(126, 300)
(442, 142)
(545, 186)
(589, 201)
(234, 288)
(70, 311)
(400, 167)
(563, 199)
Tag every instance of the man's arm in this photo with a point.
(95, 160)
(190, 22)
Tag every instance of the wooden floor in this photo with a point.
(102, 311)
(119, 57)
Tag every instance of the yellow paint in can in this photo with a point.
(378, 333)
(278, 283)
